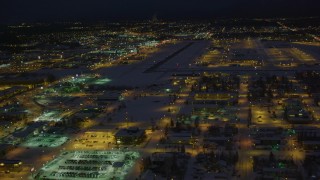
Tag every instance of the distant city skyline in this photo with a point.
(15, 11)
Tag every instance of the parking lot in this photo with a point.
(98, 140)
(45, 140)
(89, 165)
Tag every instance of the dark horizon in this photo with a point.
(17, 11)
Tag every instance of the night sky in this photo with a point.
(56, 10)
